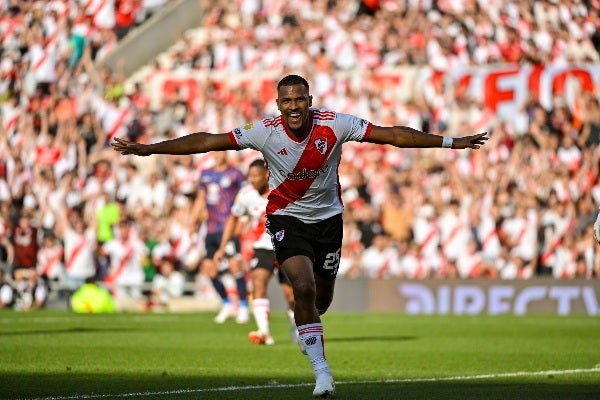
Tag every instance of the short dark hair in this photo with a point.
(259, 162)
(292, 80)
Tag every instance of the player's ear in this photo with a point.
(310, 101)
(277, 102)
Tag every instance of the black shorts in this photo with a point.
(321, 241)
(265, 259)
(213, 241)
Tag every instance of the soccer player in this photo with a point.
(302, 148)
(252, 201)
(218, 187)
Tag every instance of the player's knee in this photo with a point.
(304, 289)
(322, 305)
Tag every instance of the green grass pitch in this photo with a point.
(60, 355)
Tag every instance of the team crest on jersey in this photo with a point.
(279, 235)
(249, 126)
(321, 145)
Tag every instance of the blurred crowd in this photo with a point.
(71, 208)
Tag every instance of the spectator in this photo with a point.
(125, 274)
(7, 292)
(31, 292)
(167, 285)
(92, 298)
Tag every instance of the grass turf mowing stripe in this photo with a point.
(283, 386)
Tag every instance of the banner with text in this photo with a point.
(474, 297)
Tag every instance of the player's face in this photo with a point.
(293, 102)
(259, 179)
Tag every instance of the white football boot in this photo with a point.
(325, 387)
(227, 311)
(243, 315)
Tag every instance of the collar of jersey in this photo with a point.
(292, 136)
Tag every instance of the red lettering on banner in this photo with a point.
(171, 87)
(583, 76)
(534, 80)
(462, 86)
(493, 95)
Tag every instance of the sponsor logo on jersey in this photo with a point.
(321, 145)
(238, 133)
(304, 173)
(283, 152)
(249, 126)
(279, 235)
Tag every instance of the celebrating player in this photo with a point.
(302, 148)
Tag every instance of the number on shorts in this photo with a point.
(332, 260)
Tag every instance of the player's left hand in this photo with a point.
(470, 142)
(597, 228)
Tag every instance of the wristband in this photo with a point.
(447, 142)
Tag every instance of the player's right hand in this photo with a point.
(470, 142)
(126, 147)
(218, 256)
(597, 228)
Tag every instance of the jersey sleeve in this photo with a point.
(250, 136)
(239, 208)
(354, 128)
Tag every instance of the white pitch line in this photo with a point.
(282, 385)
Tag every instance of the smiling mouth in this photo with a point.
(294, 117)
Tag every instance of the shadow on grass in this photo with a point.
(30, 332)
(370, 339)
(69, 385)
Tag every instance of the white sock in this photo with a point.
(292, 320)
(312, 337)
(261, 315)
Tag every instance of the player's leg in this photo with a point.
(324, 295)
(288, 294)
(262, 265)
(209, 268)
(238, 271)
(310, 329)
(294, 242)
(299, 270)
(327, 244)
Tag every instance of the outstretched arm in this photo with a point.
(199, 142)
(403, 136)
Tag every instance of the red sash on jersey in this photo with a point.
(111, 278)
(488, 237)
(12, 122)
(420, 271)
(291, 190)
(38, 64)
(555, 243)
(474, 271)
(434, 230)
(118, 123)
(71, 259)
(384, 268)
(51, 262)
(452, 235)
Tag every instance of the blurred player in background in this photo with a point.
(252, 201)
(218, 187)
(303, 148)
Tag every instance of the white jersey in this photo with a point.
(303, 176)
(79, 254)
(251, 203)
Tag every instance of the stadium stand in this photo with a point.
(526, 71)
